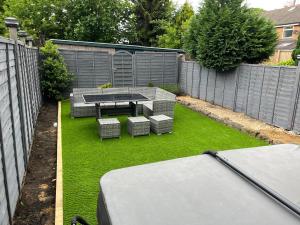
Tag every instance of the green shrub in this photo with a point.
(150, 84)
(55, 78)
(289, 62)
(173, 88)
(107, 85)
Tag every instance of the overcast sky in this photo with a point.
(265, 4)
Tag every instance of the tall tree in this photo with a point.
(2, 27)
(96, 20)
(176, 29)
(151, 15)
(227, 33)
(41, 18)
(93, 20)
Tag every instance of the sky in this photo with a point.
(264, 4)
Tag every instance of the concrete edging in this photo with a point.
(59, 173)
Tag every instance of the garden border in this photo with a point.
(59, 173)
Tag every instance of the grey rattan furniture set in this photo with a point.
(151, 108)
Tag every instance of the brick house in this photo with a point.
(287, 23)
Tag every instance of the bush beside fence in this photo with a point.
(20, 100)
(267, 93)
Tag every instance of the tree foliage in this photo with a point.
(296, 52)
(176, 28)
(97, 20)
(41, 18)
(55, 78)
(226, 33)
(151, 15)
(93, 20)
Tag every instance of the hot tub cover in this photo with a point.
(200, 190)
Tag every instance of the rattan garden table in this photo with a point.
(113, 104)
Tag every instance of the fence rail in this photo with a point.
(20, 100)
(267, 93)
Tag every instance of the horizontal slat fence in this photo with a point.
(94, 68)
(20, 100)
(267, 93)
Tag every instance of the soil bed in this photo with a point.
(37, 203)
(274, 135)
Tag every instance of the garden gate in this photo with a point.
(122, 67)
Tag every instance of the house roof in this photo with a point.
(116, 46)
(284, 16)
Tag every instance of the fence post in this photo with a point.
(296, 95)
(199, 85)
(246, 110)
(29, 40)
(22, 35)
(260, 95)
(13, 24)
(236, 87)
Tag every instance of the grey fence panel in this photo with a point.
(93, 68)
(6, 132)
(102, 68)
(203, 83)
(268, 94)
(123, 69)
(211, 84)
(284, 98)
(4, 218)
(170, 69)
(219, 88)
(229, 89)
(254, 91)
(242, 88)
(15, 113)
(189, 76)
(196, 80)
(142, 68)
(20, 100)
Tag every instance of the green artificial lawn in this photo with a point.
(86, 158)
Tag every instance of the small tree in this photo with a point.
(226, 33)
(191, 37)
(296, 52)
(175, 29)
(55, 78)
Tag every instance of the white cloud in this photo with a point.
(264, 4)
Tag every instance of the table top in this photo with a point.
(200, 190)
(101, 98)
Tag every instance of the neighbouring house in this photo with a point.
(287, 22)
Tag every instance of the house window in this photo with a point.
(288, 32)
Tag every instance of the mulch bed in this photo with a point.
(37, 203)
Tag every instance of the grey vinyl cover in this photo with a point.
(201, 190)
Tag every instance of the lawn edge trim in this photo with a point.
(59, 173)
